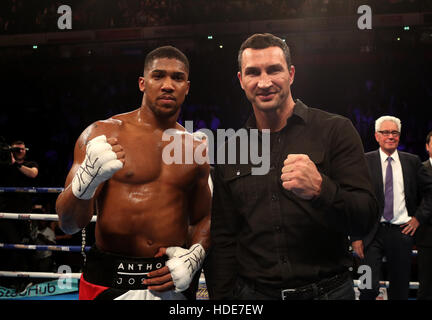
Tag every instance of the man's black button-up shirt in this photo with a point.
(267, 235)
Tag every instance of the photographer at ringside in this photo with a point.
(15, 171)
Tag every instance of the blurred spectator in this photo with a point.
(44, 235)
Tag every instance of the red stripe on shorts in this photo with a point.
(89, 291)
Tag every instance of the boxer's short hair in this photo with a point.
(169, 52)
(264, 41)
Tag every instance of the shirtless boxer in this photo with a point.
(153, 219)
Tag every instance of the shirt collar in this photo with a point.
(384, 156)
(430, 159)
(300, 112)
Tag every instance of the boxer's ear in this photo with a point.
(141, 84)
(188, 87)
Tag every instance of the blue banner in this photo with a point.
(44, 289)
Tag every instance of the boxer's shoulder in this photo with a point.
(108, 127)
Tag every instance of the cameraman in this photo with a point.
(27, 168)
(18, 172)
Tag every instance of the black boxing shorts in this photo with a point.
(108, 276)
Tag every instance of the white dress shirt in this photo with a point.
(400, 212)
(430, 159)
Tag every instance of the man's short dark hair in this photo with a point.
(17, 142)
(263, 41)
(428, 137)
(169, 52)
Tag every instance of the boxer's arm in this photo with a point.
(184, 263)
(95, 161)
(74, 214)
(200, 208)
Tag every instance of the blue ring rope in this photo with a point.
(31, 190)
(37, 247)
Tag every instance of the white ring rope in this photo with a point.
(33, 216)
(385, 284)
(48, 275)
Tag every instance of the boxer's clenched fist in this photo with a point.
(183, 264)
(104, 157)
(301, 176)
(180, 268)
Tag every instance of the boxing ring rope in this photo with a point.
(386, 284)
(47, 275)
(54, 217)
(40, 217)
(413, 253)
(43, 247)
(33, 216)
(31, 190)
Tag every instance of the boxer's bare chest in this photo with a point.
(144, 160)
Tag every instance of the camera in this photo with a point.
(5, 152)
(15, 149)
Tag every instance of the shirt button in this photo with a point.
(278, 229)
(274, 197)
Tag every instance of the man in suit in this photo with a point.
(424, 243)
(398, 178)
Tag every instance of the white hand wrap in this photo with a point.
(99, 165)
(183, 264)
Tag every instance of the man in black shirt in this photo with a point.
(26, 170)
(284, 235)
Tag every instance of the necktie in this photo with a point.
(388, 202)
